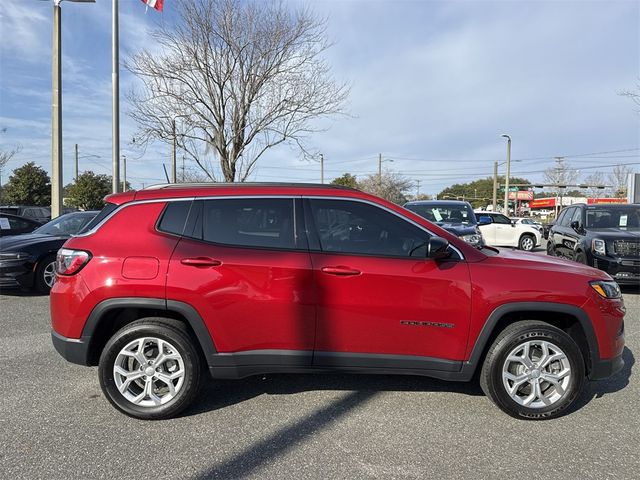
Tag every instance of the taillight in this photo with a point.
(70, 262)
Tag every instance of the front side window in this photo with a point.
(250, 222)
(565, 220)
(358, 228)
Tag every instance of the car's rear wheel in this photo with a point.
(581, 258)
(533, 371)
(527, 243)
(150, 369)
(45, 275)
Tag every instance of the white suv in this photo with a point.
(502, 232)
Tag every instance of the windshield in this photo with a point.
(625, 217)
(68, 224)
(445, 213)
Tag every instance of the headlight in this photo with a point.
(13, 256)
(598, 246)
(606, 289)
(473, 238)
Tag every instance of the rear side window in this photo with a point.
(108, 208)
(174, 217)
(258, 222)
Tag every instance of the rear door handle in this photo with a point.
(201, 262)
(341, 271)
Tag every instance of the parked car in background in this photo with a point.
(604, 236)
(454, 216)
(28, 260)
(546, 227)
(528, 221)
(502, 232)
(246, 279)
(39, 214)
(15, 225)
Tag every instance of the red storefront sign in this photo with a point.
(592, 201)
(543, 203)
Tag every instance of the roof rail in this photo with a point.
(245, 184)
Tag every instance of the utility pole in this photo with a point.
(417, 188)
(322, 168)
(506, 185)
(380, 171)
(124, 173)
(75, 172)
(56, 114)
(559, 168)
(183, 168)
(173, 156)
(115, 100)
(495, 186)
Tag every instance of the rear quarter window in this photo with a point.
(174, 217)
(108, 208)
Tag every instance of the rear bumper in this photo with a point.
(74, 350)
(605, 368)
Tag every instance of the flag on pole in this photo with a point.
(157, 4)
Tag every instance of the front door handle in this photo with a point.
(200, 262)
(341, 271)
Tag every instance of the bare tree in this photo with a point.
(235, 78)
(392, 186)
(561, 174)
(618, 178)
(5, 156)
(594, 179)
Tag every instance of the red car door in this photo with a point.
(247, 271)
(379, 297)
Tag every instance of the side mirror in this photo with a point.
(484, 220)
(437, 248)
(576, 226)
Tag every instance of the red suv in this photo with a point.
(255, 278)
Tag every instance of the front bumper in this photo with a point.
(74, 350)
(16, 273)
(625, 271)
(605, 368)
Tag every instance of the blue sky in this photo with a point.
(433, 85)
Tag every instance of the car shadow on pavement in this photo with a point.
(615, 383)
(17, 292)
(216, 394)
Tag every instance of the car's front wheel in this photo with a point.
(150, 369)
(45, 275)
(533, 371)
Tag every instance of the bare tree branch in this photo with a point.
(240, 76)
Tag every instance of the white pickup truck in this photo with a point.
(502, 232)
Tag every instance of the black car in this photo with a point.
(39, 214)
(454, 216)
(28, 260)
(604, 236)
(15, 225)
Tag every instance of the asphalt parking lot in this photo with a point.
(55, 423)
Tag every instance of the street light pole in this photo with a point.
(56, 114)
(115, 100)
(506, 186)
(495, 186)
(322, 168)
(173, 156)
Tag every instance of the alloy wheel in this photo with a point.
(149, 372)
(536, 374)
(49, 274)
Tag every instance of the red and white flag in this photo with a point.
(157, 4)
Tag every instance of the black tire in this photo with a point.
(176, 334)
(520, 333)
(42, 270)
(580, 257)
(527, 242)
(550, 250)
